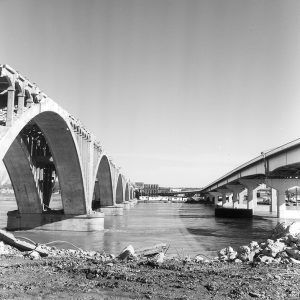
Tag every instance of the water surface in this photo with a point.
(188, 228)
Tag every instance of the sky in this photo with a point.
(179, 92)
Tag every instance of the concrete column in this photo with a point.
(211, 198)
(10, 105)
(242, 196)
(235, 189)
(216, 197)
(85, 164)
(273, 203)
(21, 97)
(91, 164)
(223, 191)
(29, 102)
(281, 186)
(251, 185)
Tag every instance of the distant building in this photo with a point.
(145, 189)
(151, 189)
(163, 190)
(139, 188)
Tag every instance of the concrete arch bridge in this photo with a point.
(43, 145)
(277, 169)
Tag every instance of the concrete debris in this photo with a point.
(34, 255)
(283, 229)
(283, 247)
(160, 257)
(198, 259)
(4, 249)
(245, 253)
(151, 251)
(227, 254)
(273, 248)
(293, 253)
(294, 261)
(266, 259)
(126, 253)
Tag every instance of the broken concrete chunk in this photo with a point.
(293, 253)
(34, 255)
(198, 259)
(160, 257)
(266, 259)
(273, 248)
(126, 253)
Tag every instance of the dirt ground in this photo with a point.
(86, 278)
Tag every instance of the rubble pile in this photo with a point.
(282, 247)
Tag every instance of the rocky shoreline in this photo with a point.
(265, 270)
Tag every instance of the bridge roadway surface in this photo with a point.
(278, 169)
(43, 146)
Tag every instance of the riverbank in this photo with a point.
(87, 278)
(78, 274)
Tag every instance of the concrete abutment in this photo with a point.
(55, 221)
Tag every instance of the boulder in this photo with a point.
(280, 230)
(254, 246)
(282, 255)
(4, 249)
(160, 258)
(266, 259)
(283, 229)
(273, 248)
(198, 259)
(294, 228)
(126, 253)
(244, 253)
(227, 254)
(34, 255)
(294, 261)
(112, 256)
(293, 253)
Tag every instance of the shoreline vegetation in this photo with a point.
(264, 270)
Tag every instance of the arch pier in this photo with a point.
(52, 158)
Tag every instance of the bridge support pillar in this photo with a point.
(236, 189)
(281, 186)
(216, 197)
(21, 97)
(273, 203)
(251, 185)
(223, 192)
(211, 198)
(10, 105)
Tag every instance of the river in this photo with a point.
(188, 229)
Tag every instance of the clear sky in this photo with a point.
(178, 92)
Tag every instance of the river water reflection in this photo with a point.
(188, 228)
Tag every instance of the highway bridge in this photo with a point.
(42, 143)
(278, 169)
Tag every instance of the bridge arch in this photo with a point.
(103, 190)
(64, 151)
(120, 190)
